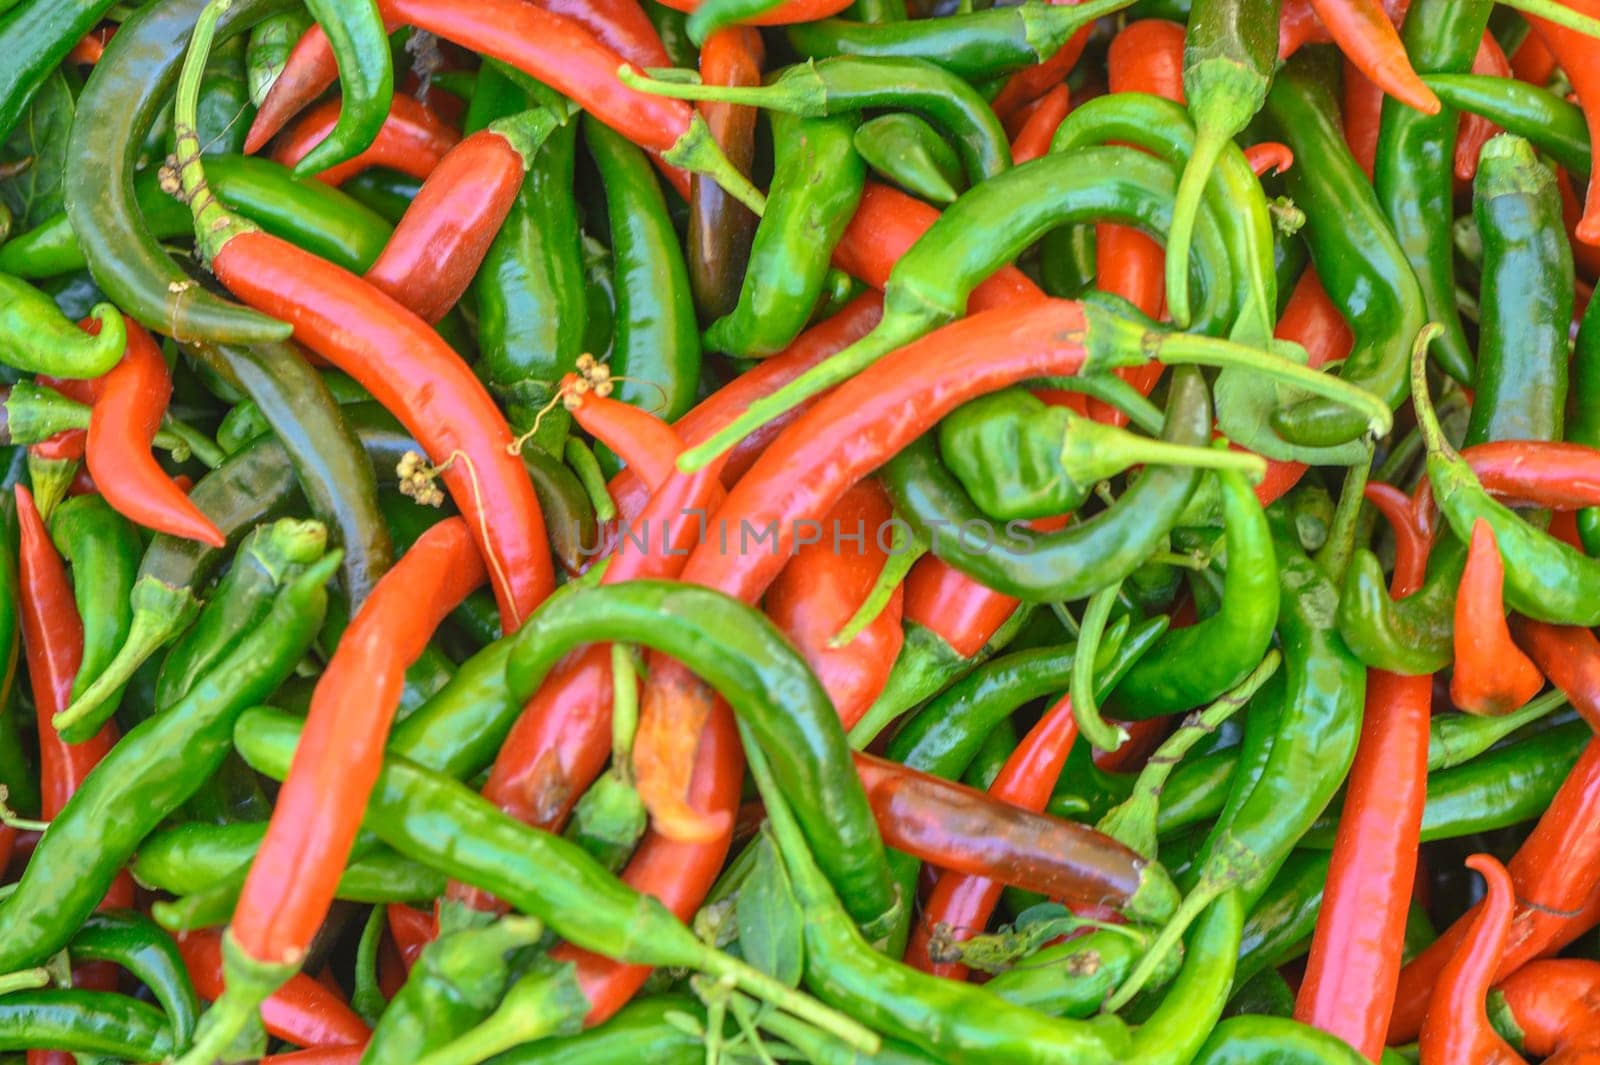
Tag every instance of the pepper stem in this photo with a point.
(545, 1001)
(697, 151)
(1559, 14)
(1085, 709)
(1208, 145)
(800, 91)
(148, 631)
(24, 980)
(248, 983)
(1179, 349)
(1433, 437)
(1170, 936)
(1133, 450)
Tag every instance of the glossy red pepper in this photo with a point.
(964, 903)
(1491, 675)
(1475, 130)
(1045, 114)
(1555, 1003)
(1457, 1028)
(782, 15)
(1033, 82)
(1363, 109)
(1410, 539)
(1570, 656)
(303, 1011)
(1365, 33)
(413, 140)
(1579, 56)
(1533, 62)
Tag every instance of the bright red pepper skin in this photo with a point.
(413, 140)
(1457, 1029)
(1570, 656)
(1491, 675)
(302, 1011)
(1555, 1003)
(1579, 57)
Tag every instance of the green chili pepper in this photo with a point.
(84, 1022)
(103, 549)
(975, 45)
(656, 349)
(1229, 55)
(647, 1029)
(1313, 744)
(366, 80)
(991, 757)
(1414, 176)
(1242, 1040)
(1583, 426)
(1361, 265)
(1072, 978)
(128, 88)
(712, 15)
(1279, 926)
(456, 981)
(1073, 562)
(1266, 994)
(849, 83)
(1414, 636)
(35, 39)
(1021, 458)
(388, 193)
(532, 311)
(538, 873)
(1191, 1007)
(904, 149)
(1218, 652)
(817, 182)
(146, 776)
(953, 1021)
(270, 43)
(1067, 263)
(1555, 126)
(149, 955)
(36, 338)
(1524, 297)
(1545, 578)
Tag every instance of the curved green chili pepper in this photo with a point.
(457, 979)
(1279, 926)
(906, 150)
(1314, 742)
(1583, 427)
(35, 337)
(129, 86)
(709, 16)
(1524, 298)
(975, 45)
(656, 351)
(1076, 561)
(1555, 126)
(1018, 457)
(1358, 259)
(103, 549)
(817, 181)
(146, 776)
(1072, 978)
(84, 1022)
(270, 44)
(1413, 174)
(35, 39)
(148, 954)
(192, 857)
(366, 80)
(388, 193)
(953, 1021)
(1229, 54)
(307, 213)
(1545, 578)
(1217, 653)
(530, 290)
(847, 83)
(1414, 636)
(1250, 1040)
(1192, 1005)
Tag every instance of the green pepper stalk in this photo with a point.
(31, 413)
(1194, 1003)
(1229, 55)
(36, 337)
(545, 1001)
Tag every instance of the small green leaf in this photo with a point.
(771, 929)
(36, 193)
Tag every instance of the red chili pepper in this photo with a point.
(1550, 474)
(1033, 82)
(1457, 1028)
(1363, 109)
(782, 15)
(1586, 256)
(878, 412)
(350, 1055)
(1146, 57)
(129, 402)
(1366, 35)
(1411, 542)
(821, 588)
(303, 1011)
(418, 378)
(291, 884)
(964, 903)
(1570, 656)
(953, 606)
(1475, 130)
(93, 45)
(1579, 56)
(413, 140)
(1046, 113)
(1269, 157)
(441, 240)
(1556, 1003)
(1298, 25)
(620, 25)
(854, 321)
(1491, 676)
(1556, 872)
(887, 223)
(1533, 61)
(412, 929)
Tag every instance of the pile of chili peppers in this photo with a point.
(739, 531)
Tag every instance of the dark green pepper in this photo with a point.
(103, 550)
(93, 1023)
(360, 43)
(148, 954)
(1555, 126)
